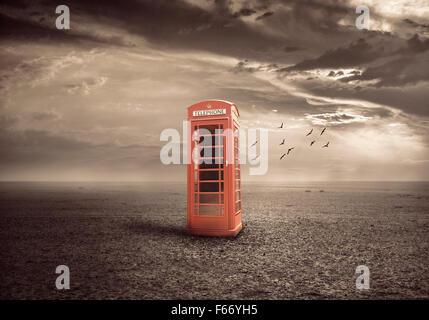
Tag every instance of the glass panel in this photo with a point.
(195, 175)
(209, 198)
(195, 210)
(211, 165)
(209, 186)
(196, 198)
(209, 210)
(209, 175)
(207, 141)
(237, 174)
(218, 141)
(237, 195)
(218, 152)
(208, 152)
(221, 210)
(237, 184)
(208, 129)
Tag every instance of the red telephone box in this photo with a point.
(214, 177)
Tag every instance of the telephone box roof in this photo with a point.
(213, 104)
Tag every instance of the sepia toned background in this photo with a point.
(89, 103)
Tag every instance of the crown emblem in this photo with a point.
(209, 106)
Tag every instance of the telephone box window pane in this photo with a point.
(208, 129)
(196, 198)
(209, 175)
(221, 175)
(211, 129)
(237, 174)
(209, 187)
(209, 198)
(218, 152)
(218, 141)
(195, 210)
(221, 210)
(237, 184)
(210, 152)
(195, 175)
(237, 195)
(209, 210)
(207, 141)
(195, 187)
(221, 198)
(211, 165)
(211, 141)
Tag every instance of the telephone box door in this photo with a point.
(209, 187)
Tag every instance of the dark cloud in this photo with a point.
(24, 30)
(356, 53)
(265, 15)
(242, 66)
(393, 73)
(244, 12)
(415, 24)
(291, 49)
(406, 67)
(415, 45)
(181, 25)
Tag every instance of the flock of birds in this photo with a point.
(290, 149)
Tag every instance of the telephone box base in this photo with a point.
(215, 232)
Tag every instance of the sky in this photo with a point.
(90, 103)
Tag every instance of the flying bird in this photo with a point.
(312, 142)
(283, 142)
(326, 145)
(323, 131)
(311, 131)
(290, 149)
(281, 126)
(282, 156)
(254, 143)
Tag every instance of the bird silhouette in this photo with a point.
(254, 143)
(290, 149)
(326, 145)
(323, 131)
(282, 156)
(283, 142)
(311, 131)
(281, 126)
(312, 142)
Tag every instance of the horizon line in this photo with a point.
(178, 181)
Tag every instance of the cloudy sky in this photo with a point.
(90, 103)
